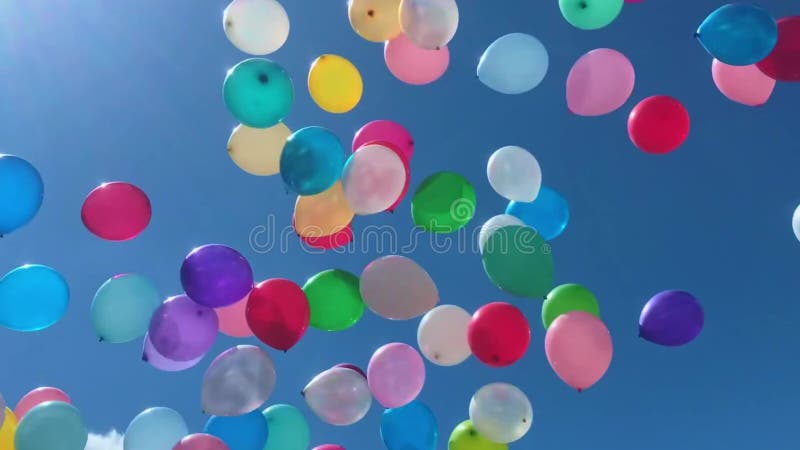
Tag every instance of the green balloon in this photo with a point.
(443, 203)
(590, 14)
(288, 429)
(567, 298)
(334, 299)
(122, 308)
(466, 437)
(258, 92)
(518, 261)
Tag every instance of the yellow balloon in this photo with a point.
(257, 151)
(8, 430)
(323, 214)
(335, 84)
(375, 20)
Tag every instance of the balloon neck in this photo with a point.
(144, 357)
(580, 390)
(302, 393)
(100, 339)
(696, 35)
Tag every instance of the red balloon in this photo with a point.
(658, 124)
(331, 241)
(783, 63)
(404, 159)
(116, 211)
(499, 334)
(278, 313)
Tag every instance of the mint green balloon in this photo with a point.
(518, 261)
(567, 298)
(288, 429)
(122, 308)
(590, 14)
(51, 426)
(258, 92)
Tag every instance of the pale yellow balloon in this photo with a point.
(257, 151)
(323, 214)
(375, 20)
(335, 84)
(8, 430)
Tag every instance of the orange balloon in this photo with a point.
(322, 214)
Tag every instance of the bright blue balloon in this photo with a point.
(247, 432)
(548, 214)
(51, 426)
(32, 298)
(410, 427)
(312, 160)
(738, 34)
(155, 429)
(21, 193)
(513, 64)
(288, 429)
(122, 308)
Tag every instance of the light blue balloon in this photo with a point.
(122, 308)
(312, 160)
(738, 34)
(32, 298)
(288, 429)
(51, 426)
(155, 429)
(247, 432)
(548, 214)
(513, 64)
(410, 427)
(21, 193)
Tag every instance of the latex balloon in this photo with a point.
(8, 430)
(739, 34)
(375, 20)
(742, 84)
(151, 356)
(501, 412)
(406, 169)
(329, 447)
(671, 318)
(599, 82)
(796, 222)
(245, 432)
(278, 313)
(498, 334)
(32, 297)
(442, 335)
(201, 441)
(514, 174)
(517, 260)
(233, 320)
(430, 24)
(385, 131)
(258, 92)
(334, 299)
(396, 374)
(116, 211)
(338, 396)
(397, 288)
(658, 124)
(338, 239)
(323, 214)
(513, 64)
(443, 203)
(122, 308)
(215, 275)
(53, 425)
(257, 151)
(412, 426)
(38, 396)
(238, 381)
(579, 349)
(352, 367)
(335, 84)
(373, 179)
(288, 429)
(182, 330)
(590, 14)
(415, 65)
(567, 298)
(257, 27)
(21, 193)
(494, 224)
(466, 437)
(312, 160)
(548, 214)
(155, 429)
(783, 63)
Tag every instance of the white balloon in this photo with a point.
(442, 335)
(796, 223)
(338, 396)
(514, 173)
(429, 24)
(373, 179)
(397, 288)
(501, 412)
(514, 64)
(238, 381)
(494, 224)
(257, 27)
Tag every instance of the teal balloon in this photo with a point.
(21, 193)
(258, 92)
(517, 260)
(548, 214)
(155, 429)
(738, 34)
(312, 160)
(246, 432)
(409, 427)
(288, 429)
(122, 308)
(513, 64)
(32, 297)
(51, 426)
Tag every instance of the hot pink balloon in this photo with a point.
(232, 320)
(329, 447)
(116, 211)
(200, 441)
(385, 131)
(151, 356)
(37, 397)
(743, 84)
(599, 82)
(396, 374)
(579, 349)
(402, 156)
(412, 64)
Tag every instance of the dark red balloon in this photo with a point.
(278, 313)
(783, 63)
(499, 334)
(116, 211)
(658, 124)
(335, 240)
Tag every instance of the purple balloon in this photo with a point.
(182, 330)
(151, 356)
(352, 367)
(215, 276)
(671, 318)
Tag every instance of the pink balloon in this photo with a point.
(743, 84)
(329, 447)
(116, 211)
(39, 396)
(232, 320)
(396, 374)
(200, 441)
(402, 156)
(412, 64)
(599, 82)
(579, 349)
(385, 131)
(151, 356)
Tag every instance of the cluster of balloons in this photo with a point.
(43, 419)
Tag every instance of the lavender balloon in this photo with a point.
(671, 318)
(151, 356)
(215, 276)
(182, 330)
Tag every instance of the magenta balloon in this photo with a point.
(579, 349)
(743, 84)
(37, 397)
(385, 131)
(183, 330)
(200, 441)
(329, 447)
(414, 65)
(352, 367)
(599, 82)
(151, 356)
(395, 375)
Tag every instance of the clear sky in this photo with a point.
(120, 90)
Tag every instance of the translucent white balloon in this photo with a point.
(515, 174)
(373, 179)
(494, 224)
(430, 24)
(514, 64)
(155, 429)
(238, 381)
(501, 412)
(796, 223)
(257, 27)
(397, 288)
(442, 335)
(338, 396)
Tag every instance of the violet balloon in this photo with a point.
(215, 275)
(671, 318)
(183, 330)
(396, 374)
(151, 356)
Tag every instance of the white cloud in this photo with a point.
(109, 441)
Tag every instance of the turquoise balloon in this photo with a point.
(738, 34)
(32, 298)
(122, 308)
(288, 429)
(513, 64)
(245, 432)
(155, 429)
(51, 426)
(258, 92)
(312, 160)
(548, 214)
(21, 193)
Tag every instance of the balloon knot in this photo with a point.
(580, 390)
(583, 5)
(371, 13)
(696, 35)
(100, 339)
(144, 357)
(302, 393)
(263, 78)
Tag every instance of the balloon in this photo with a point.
(7, 430)
(288, 429)
(201, 441)
(443, 203)
(373, 179)
(429, 24)
(397, 288)
(658, 124)
(415, 65)
(514, 174)
(334, 299)
(412, 426)
(116, 211)
(258, 92)
(238, 381)
(466, 437)
(567, 298)
(599, 82)
(53, 425)
(155, 429)
(548, 214)
(215, 275)
(396, 374)
(122, 308)
(519, 261)
(329, 447)
(494, 224)
(742, 84)
(739, 34)
(352, 367)
(375, 20)
(322, 214)
(513, 64)
(442, 335)
(671, 318)
(385, 131)
(278, 313)
(590, 14)
(21, 193)
(498, 334)
(232, 319)
(406, 170)
(335, 84)
(783, 63)
(338, 396)
(151, 356)
(501, 412)
(257, 151)
(312, 160)
(336, 240)
(579, 349)
(37, 397)
(182, 330)
(257, 27)
(245, 432)
(32, 297)
(796, 222)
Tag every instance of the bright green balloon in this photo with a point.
(443, 203)
(567, 298)
(466, 437)
(334, 299)
(258, 92)
(122, 308)
(518, 261)
(288, 429)
(590, 14)
(51, 426)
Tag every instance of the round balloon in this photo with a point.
(338, 396)
(783, 63)
(796, 222)
(201, 441)
(430, 24)
(375, 20)
(182, 330)
(21, 193)
(238, 381)
(233, 320)
(671, 318)
(443, 203)
(406, 168)
(396, 374)
(32, 297)
(494, 224)
(116, 211)
(258, 92)
(514, 174)
(590, 14)
(397, 288)
(548, 214)
(579, 349)
(412, 426)
(122, 308)
(312, 160)
(288, 429)
(415, 65)
(278, 313)
(519, 261)
(599, 82)
(8, 429)
(373, 178)
(567, 298)
(322, 214)
(442, 335)
(742, 84)
(658, 124)
(739, 34)
(513, 64)
(501, 412)
(335, 84)
(37, 397)
(498, 334)
(385, 131)
(466, 437)
(257, 27)
(245, 432)
(257, 151)
(334, 299)
(215, 275)
(155, 429)
(151, 356)
(53, 425)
